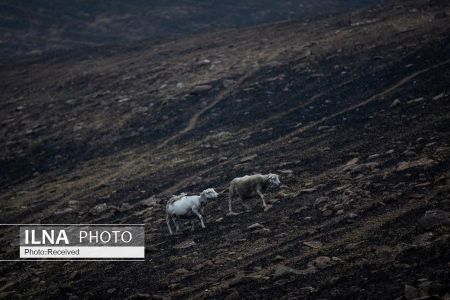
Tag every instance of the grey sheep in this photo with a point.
(251, 186)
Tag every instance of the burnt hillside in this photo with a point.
(354, 116)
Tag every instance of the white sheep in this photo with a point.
(251, 186)
(187, 206)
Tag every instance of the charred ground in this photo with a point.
(354, 117)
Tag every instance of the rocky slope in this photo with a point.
(353, 116)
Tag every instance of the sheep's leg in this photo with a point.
(168, 223)
(192, 225)
(258, 190)
(230, 210)
(177, 228)
(199, 216)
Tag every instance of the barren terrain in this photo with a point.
(352, 113)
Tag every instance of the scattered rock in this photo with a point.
(309, 190)
(352, 216)
(254, 226)
(322, 262)
(202, 265)
(351, 163)
(282, 270)
(437, 97)
(300, 209)
(248, 158)
(416, 100)
(139, 296)
(278, 258)
(123, 99)
(313, 244)
(99, 209)
(287, 172)
(185, 244)
(395, 103)
(63, 211)
(204, 62)
(307, 290)
(180, 271)
(352, 246)
(423, 162)
(373, 156)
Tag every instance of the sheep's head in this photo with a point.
(210, 193)
(274, 180)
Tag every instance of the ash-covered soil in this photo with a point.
(354, 116)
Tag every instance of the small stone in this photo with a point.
(352, 246)
(139, 296)
(255, 225)
(202, 265)
(180, 271)
(309, 190)
(373, 156)
(204, 62)
(340, 212)
(395, 103)
(99, 209)
(416, 100)
(185, 244)
(248, 158)
(437, 97)
(423, 162)
(322, 262)
(352, 215)
(287, 172)
(352, 162)
(313, 244)
(278, 258)
(307, 290)
(282, 270)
